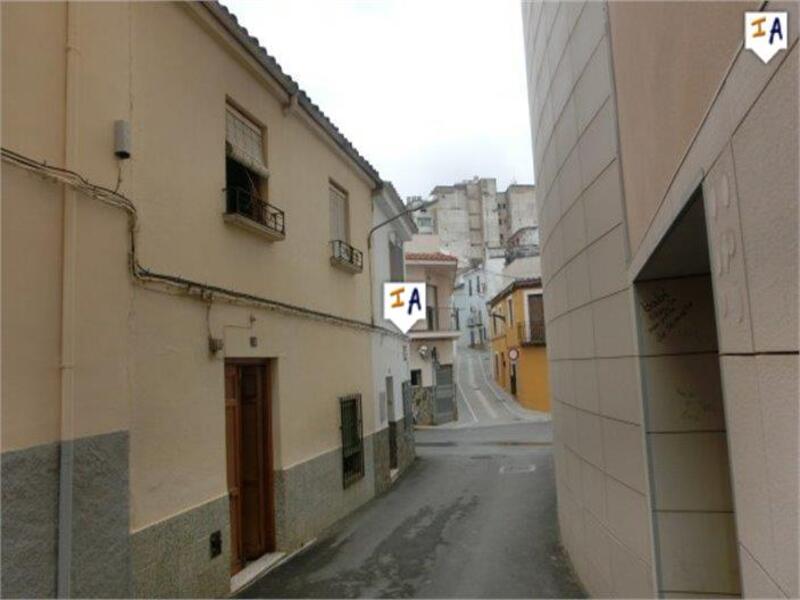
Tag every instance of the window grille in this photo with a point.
(352, 439)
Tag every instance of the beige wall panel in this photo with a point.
(618, 387)
(627, 517)
(681, 396)
(666, 78)
(778, 388)
(765, 156)
(33, 76)
(748, 458)
(622, 444)
(182, 182)
(103, 320)
(693, 559)
(31, 218)
(178, 462)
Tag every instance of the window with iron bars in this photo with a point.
(352, 439)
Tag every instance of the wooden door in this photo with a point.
(249, 450)
(233, 445)
(252, 465)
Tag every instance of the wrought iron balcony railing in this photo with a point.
(242, 203)
(531, 333)
(345, 256)
(437, 318)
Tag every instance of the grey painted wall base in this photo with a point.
(101, 560)
(100, 552)
(309, 497)
(172, 558)
(383, 477)
(406, 451)
(29, 522)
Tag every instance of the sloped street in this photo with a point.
(474, 517)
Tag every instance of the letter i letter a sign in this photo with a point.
(403, 303)
(765, 33)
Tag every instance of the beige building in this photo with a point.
(187, 380)
(666, 167)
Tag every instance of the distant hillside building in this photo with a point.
(473, 220)
(516, 209)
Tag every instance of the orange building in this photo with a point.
(519, 356)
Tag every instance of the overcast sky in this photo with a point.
(430, 92)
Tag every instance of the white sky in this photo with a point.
(430, 92)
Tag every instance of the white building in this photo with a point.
(473, 288)
(466, 219)
(389, 352)
(516, 209)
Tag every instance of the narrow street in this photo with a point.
(474, 517)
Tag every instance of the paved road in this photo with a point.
(474, 517)
(482, 402)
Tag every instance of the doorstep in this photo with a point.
(260, 567)
(255, 569)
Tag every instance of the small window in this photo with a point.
(339, 225)
(469, 285)
(510, 312)
(416, 377)
(352, 440)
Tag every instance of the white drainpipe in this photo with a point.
(68, 309)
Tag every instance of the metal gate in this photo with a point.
(444, 396)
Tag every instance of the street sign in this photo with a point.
(513, 354)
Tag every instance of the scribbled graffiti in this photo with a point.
(665, 311)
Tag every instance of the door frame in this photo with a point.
(268, 473)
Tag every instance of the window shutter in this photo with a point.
(244, 142)
(338, 207)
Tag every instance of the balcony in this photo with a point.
(249, 212)
(438, 319)
(475, 321)
(345, 257)
(531, 333)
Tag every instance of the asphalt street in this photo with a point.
(473, 517)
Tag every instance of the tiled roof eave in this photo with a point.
(229, 21)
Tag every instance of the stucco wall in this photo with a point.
(142, 365)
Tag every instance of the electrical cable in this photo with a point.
(144, 275)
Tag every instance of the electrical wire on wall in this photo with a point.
(203, 291)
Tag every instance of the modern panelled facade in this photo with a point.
(666, 173)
